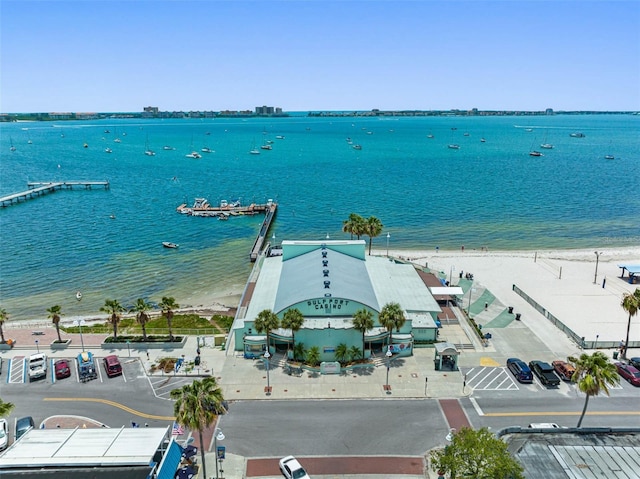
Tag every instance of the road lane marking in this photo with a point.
(114, 404)
(563, 413)
(476, 406)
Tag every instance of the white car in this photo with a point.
(292, 469)
(4, 435)
(37, 366)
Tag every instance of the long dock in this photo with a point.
(40, 188)
(270, 214)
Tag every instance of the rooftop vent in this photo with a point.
(324, 254)
(325, 263)
(325, 272)
(327, 284)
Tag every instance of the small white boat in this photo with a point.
(430, 136)
(453, 147)
(609, 157)
(12, 148)
(150, 153)
(108, 150)
(78, 295)
(357, 147)
(279, 137)
(117, 140)
(194, 154)
(168, 148)
(482, 140)
(546, 146)
(576, 135)
(206, 149)
(535, 153)
(266, 147)
(168, 244)
(254, 151)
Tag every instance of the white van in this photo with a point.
(37, 366)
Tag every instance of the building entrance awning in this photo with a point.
(446, 291)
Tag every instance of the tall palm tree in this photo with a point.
(54, 314)
(140, 308)
(373, 228)
(363, 322)
(353, 225)
(4, 316)
(265, 322)
(392, 316)
(114, 309)
(631, 304)
(167, 305)
(197, 407)
(594, 374)
(293, 320)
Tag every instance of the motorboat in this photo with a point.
(535, 153)
(279, 137)
(357, 147)
(266, 147)
(149, 152)
(194, 154)
(546, 146)
(609, 157)
(482, 140)
(168, 148)
(206, 149)
(168, 244)
(576, 135)
(254, 151)
(108, 150)
(454, 147)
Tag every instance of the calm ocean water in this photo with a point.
(484, 194)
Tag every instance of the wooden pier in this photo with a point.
(40, 188)
(269, 215)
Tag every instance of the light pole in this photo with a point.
(218, 435)
(388, 355)
(451, 274)
(266, 357)
(595, 277)
(79, 323)
(469, 305)
(37, 347)
(388, 236)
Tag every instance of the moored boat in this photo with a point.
(194, 154)
(546, 146)
(576, 135)
(168, 244)
(609, 157)
(454, 147)
(535, 153)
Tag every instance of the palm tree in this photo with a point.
(265, 322)
(197, 407)
(293, 320)
(631, 304)
(392, 316)
(594, 373)
(54, 314)
(5, 408)
(167, 305)
(373, 228)
(342, 353)
(299, 351)
(140, 308)
(4, 316)
(313, 355)
(114, 309)
(355, 352)
(353, 225)
(363, 322)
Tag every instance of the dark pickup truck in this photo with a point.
(545, 373)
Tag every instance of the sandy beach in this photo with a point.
(560, 280)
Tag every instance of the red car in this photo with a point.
(61, 367)
(629, 373)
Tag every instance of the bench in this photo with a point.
(37, 333)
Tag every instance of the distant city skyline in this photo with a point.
(119, 56)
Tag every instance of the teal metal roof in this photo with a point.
(323, 271)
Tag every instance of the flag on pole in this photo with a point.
(177, 430)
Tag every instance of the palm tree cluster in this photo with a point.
(358, 226)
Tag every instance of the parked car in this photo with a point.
(635, 362)
(112, 366)
(563, 369)
(62, 369)
(86, 366)
(520, 370)
(23, 425)
(37, 366)
(545, 373)
(292, 469)
(4, 435)
(629, 373)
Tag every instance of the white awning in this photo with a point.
(446, 291)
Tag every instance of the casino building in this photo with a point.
(328, 281)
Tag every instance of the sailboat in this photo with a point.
(254, 150)
(147, 150)
(12, 148)
(545, 145)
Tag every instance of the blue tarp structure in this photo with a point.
(170, 461)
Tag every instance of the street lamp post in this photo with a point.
(79, 323)
(388, 355)
(266, 357)
(469, 304)
(217, 436)
(37, 347)
(451, 274)
(595, 277)
(388, 236)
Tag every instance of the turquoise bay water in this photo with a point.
(484, 194)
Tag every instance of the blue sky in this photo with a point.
(319, 55)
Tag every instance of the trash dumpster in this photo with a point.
(615, 355)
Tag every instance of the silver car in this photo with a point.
(292, 469)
